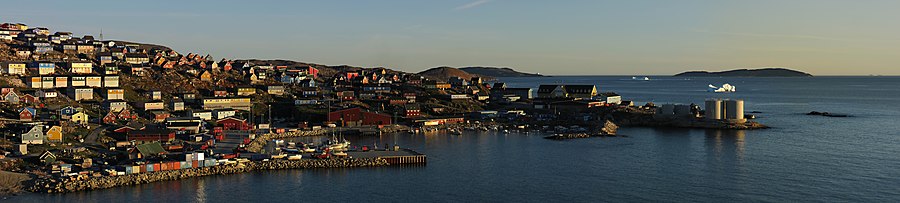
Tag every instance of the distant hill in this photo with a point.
(498, 72)
(764, 72)
(445, 73)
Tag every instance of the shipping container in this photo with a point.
(157, 167)
(150, 168)
(194, 164)
(129, 170)
(176, 165)
(135, 169)
(185, 165)
(189, 157)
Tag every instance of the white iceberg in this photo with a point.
(725, 88)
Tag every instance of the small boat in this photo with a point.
(641, 78)
(279, 156)
(295, 157)
(306, 148)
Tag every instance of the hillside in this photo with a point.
(445, 73)
(498, 72)
(764, 72)
(324, 70)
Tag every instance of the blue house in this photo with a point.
(68, 111)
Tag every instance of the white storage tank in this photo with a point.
(734, 109)
(714, 109)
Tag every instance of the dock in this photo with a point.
(401, 156)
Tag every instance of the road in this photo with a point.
(92, 137)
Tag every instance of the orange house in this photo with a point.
(54, 134)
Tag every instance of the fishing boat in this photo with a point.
(279, 156)
(308, 149)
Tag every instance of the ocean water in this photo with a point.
(801, 159)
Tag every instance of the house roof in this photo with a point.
(579, 88)
(150, 149)
(547, 88)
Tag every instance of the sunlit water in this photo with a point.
(802, 158)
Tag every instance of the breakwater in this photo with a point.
(72, 184)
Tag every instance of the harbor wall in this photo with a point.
(72, 184)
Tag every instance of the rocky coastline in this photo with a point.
(67, 185)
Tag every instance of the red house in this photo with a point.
(312, 71)
(110, 118)
(356, 117)
(27, 114)
(126, 114)
(30, 99)
(232, 123)
(151, 135)
(169, 65)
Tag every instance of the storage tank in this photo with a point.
(714, 109)
(667, 109)
(734, 109)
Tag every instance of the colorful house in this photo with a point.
(357, 117)
(27, 113)
(29, 99)
(80, 118)
(68, 111)
(232, 123)
(35, 135)
(110, 117)
(54, 134)
(11, 97)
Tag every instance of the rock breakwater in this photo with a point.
(66, 184)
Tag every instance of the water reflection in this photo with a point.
(726, 144)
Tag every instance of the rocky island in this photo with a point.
(498, 72)
(764, 72)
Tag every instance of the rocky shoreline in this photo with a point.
(67, 185)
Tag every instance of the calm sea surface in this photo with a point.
(802, 158)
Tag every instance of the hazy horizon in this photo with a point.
(552, 38)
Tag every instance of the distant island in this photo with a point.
(498, 72)
(764, 72)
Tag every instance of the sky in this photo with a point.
(569, 37)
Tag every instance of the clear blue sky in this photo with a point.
(595, 37)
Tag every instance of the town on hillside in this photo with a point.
(82, 106)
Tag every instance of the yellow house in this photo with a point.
(54, 134)
(81, 67)
(80, 118)
(15, 69)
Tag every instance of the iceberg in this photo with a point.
(725, 88)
